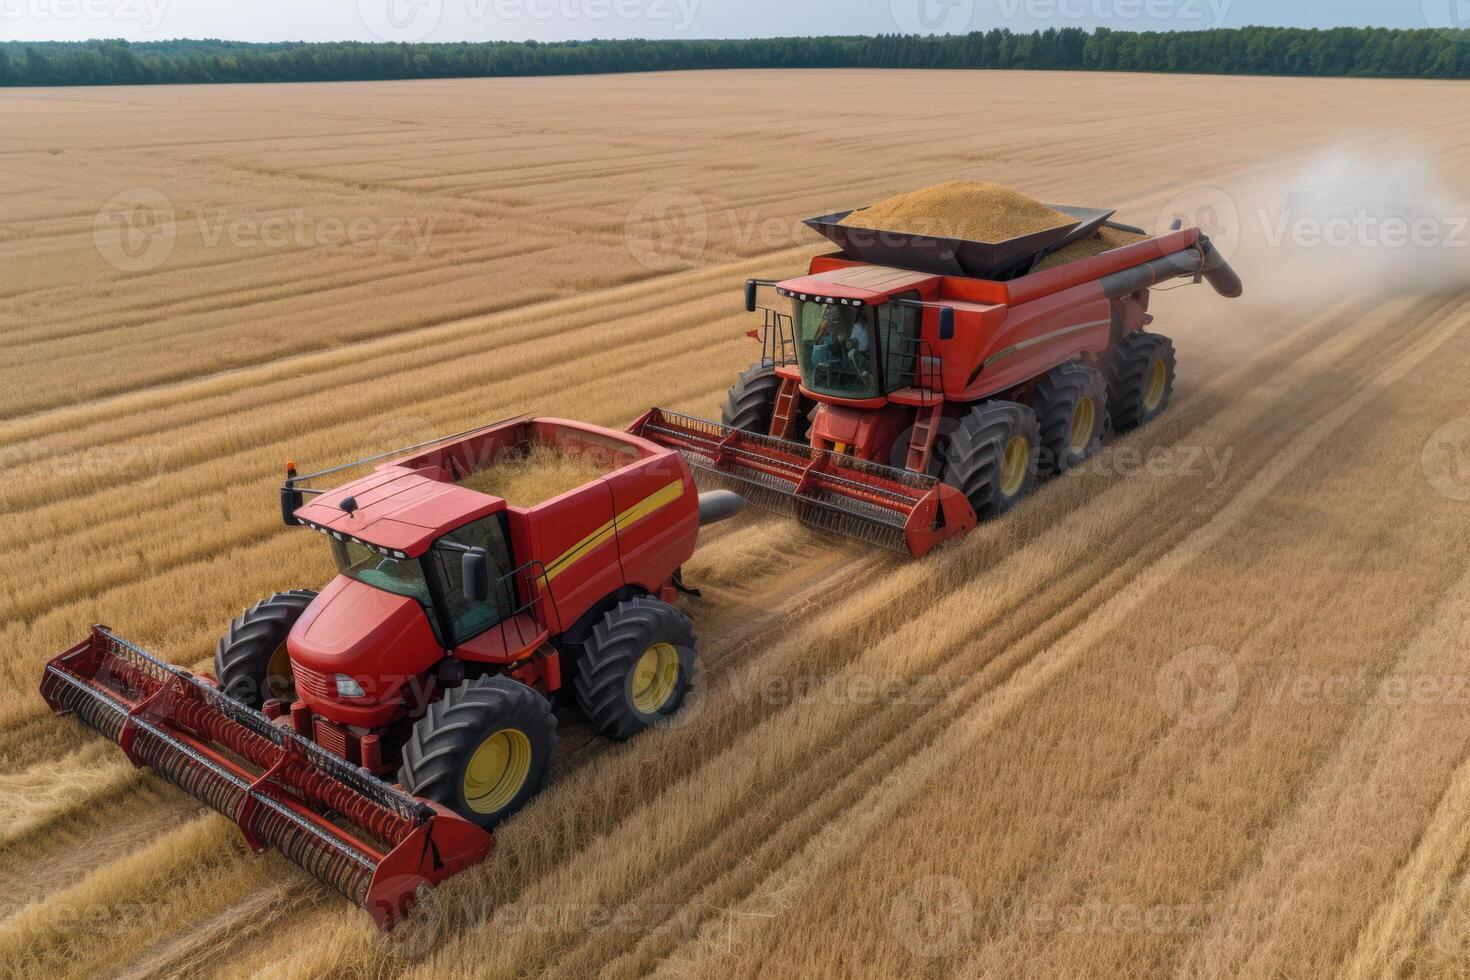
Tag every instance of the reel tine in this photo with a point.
(371, 841)
(823, 490)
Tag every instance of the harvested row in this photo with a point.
(1018, 757)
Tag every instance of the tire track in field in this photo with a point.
(883, 802)
(1021, 632)
(1329, 326)
(1272, 890)
(170, 813)
(1020, 589)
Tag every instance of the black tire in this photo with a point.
(975, 450)
(242, 657)
(750, 403)
(1071, 406)
(609, 685)
(486, 712)
(1136, 395)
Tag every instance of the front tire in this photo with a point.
(484, 750)
(991, 456)
(250, 660)
(1141, 379)
(750, 404)
(636, 667)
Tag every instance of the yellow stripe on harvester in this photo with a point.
(659, 498)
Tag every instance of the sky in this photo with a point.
(555, 20)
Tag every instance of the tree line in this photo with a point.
(1346, 51)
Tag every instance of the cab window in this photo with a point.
(836, 353)
(898, 333)
(468, 618)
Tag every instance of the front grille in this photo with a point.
(320, 686)
(332, 737)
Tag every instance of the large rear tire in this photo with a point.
(636, 667)
(750, 403)
(1071, 406)
(484, 750)
(1140, 379)
(991, 456)
(250, 660)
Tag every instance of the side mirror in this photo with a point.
(946, 323)
(474, 567)
(291, 499)
(750, 287)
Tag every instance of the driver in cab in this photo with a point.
(842, 339)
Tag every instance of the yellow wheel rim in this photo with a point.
(1084, 420)
(1154, 385)
(1014, 465)
(654, 678)
(497, 771)
(278, 680)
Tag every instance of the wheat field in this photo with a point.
(1198, 710)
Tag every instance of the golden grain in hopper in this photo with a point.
(543, 472)
(1105, 240)
(973, 211)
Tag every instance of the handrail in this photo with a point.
(293, 480)
(778, 338)
(924, 370)
(541, 590)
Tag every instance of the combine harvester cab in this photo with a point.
(917, 385)
(376, 732)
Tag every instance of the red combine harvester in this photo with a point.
(920, 384)
(431, 659)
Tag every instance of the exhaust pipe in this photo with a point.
(719, 505)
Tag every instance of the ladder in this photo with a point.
(921, 441)
(788, 403)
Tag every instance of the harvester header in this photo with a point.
(378, 846)
(882, 505)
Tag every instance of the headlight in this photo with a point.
(348, 687)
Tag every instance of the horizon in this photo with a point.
(460, 21)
